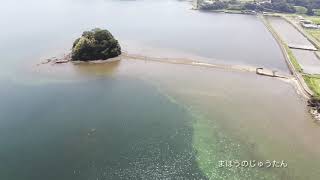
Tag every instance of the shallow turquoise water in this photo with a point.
(138, 132)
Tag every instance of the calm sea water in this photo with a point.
(168, 27)
(145, 120)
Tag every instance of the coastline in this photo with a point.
(306, 90)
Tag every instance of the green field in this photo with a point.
(314, 19)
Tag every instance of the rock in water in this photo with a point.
(97, 44)
(91, 132)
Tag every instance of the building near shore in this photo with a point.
(307, 23)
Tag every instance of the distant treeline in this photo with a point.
(287, 6)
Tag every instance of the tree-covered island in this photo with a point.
(97, 44)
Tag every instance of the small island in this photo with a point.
(97, 44)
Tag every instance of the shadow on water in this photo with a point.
(110, 128)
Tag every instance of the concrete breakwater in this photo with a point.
(268, 72)
(302, 47)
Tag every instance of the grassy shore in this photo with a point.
(293, 59)
(314, 83)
